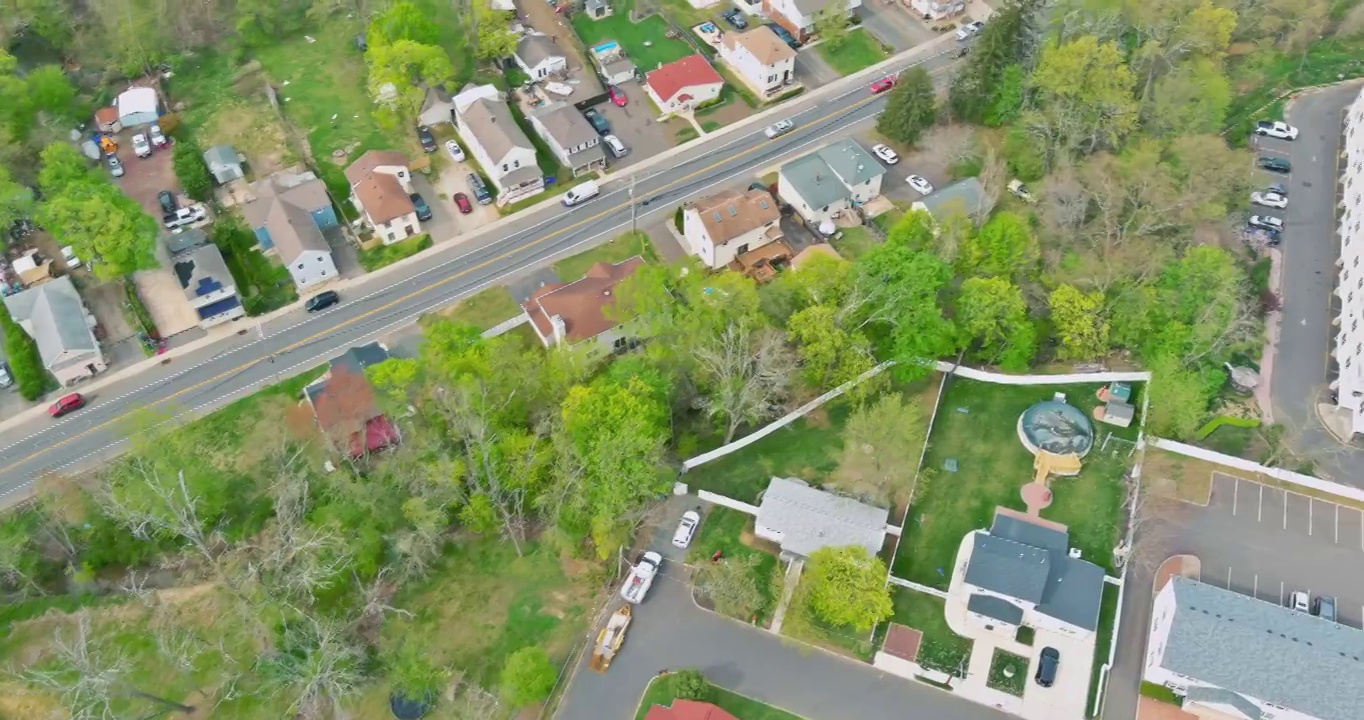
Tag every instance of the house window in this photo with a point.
(504, 167)
(409, 230)
(771, 78)
(392, 237)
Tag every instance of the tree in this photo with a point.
(316, 665)
(911, 108)
(528, 677)
(50, 92)
(403, 21)
(993, 313)
(831, 24)
(830, 353)
(731, 586)
(690, 684)
(1004, 41)
(412, 672)
(64, 167)
(744, 376)
(104, 226)
(881, 446)
(187, 159)
(495, 38)
(400, 71)
(16, 203)
(903, 300)
(1084, 90)
(846, 587)
(1007, 103)
(1080, 323)
(1005, 246)
(260, 22)
(1179, 396)
(25, 364)
(1190, 100)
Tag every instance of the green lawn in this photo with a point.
(660, 692)
(808, 448)
(1108, 614)
(1159, 692)
(1269, 74)
(1008, 672)
(859, 51)
(853, 242)
(618, 249)
(263, 284)
(941, 649)
(646, 42)
(992, 467)
(383, 255)
(483, 310)
(722, 529)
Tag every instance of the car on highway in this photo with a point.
(322, 301)
(455, 152)
(141, 147)
(686, 529)
(1274, 164)
(1266, 222)
(419, 204)
(462, 202)
(599, 122)
(641, 577)
(66, 404)
(778, 128)
(427, 139)
(735, 18)
(1048, 662)
(168, 203)
(887, 155)
(1269, 200)
(115, 166)
(883, 85)
(785, 36)
(920, 184)
(1276, 129)
(1298, 601)
(969, 30)
(158, 138)
(479, 189)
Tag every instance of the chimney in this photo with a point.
(560, 331)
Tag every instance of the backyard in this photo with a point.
(940, 649)
(645, 42)
(857, 52)
(264, 285)
(976, 433)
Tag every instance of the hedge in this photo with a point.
(1221, 420)
(25, 365)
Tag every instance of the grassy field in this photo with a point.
(483, 310)
(724, 529)
(859, 51)
(992, 467)
(382, 255)
(1008, 672)
(853, 242)
(808, 448)
(621, 248)
(661, 692)
(1108, 615)
(941, 649)
(226, 104)
(645, 42)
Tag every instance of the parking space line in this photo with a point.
(1285, 510)
(1228, 578)
(1255, 587)
(1280, 592)
(1337, 540)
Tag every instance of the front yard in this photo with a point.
(857, 52)
(382, 255)
(731, 533)
(940, 649)
(646, 42)
(616, 250)
(661, 691)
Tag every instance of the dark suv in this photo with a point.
(1274, 164)
(1047, 665)
(598, 121)
(322, 301)
(428, 140)
(785, 36)
(479, 189)
(419, 204)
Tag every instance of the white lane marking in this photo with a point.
(1309, 516)
(1228, 577)
(1337, 540)
(1285, 511)
(1235, 493)
(1255, 591)
(1260, 511)
(1280, 592)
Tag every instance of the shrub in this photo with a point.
(188, 161)
(690, 684)
(25, 365)
(528, 677)
(677, 219)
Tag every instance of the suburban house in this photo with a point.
(381, 189)
(802, 519)
(798, 16)
(721, 227)
(938, 9)
(204, 278)
(964, 197)
(539, 56)
(568, 134)
(688, 710)
(498, 143)
(612, 64)
(288, 213)
(342, 401)
(137, 106)
(760, 58)
(54, 316)
(438, 106)
(573, 313)
(830, 180)
(597, 9)
(1234, 656)
(224, 163)
(683, 84)
(1023, 572)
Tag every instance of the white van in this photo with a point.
(581, 193)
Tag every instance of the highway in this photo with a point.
(196, 382)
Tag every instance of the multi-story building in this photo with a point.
(1348, 349)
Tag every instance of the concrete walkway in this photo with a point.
(793, 571)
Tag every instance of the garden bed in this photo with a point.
(940, 648)
(1008, 672)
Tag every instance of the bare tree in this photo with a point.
(151, 504)
(470, 702)
(731, 586)
(318, 663)
(294, 557)
(375, 598)
(744, 375)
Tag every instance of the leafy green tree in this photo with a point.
(260, 22)
(690, 684)
(16, 203)
(823, 279)
(104, 226)
(187, 159)
(51, 92)
(831, 354)
(403, 21)
(62, 167)
(1007, 101)
(25, 364)
(731, 586)
(903, 287)
(846, 587)
(1191, 100)
(1180, 395)
(994, 315)
(400, 71)
(1025, 157)
(495, 38)
(1004, 246)
(911, 108)
(412, 672)
(1002, 42)
(881, 445)
(1080, 323)
(528, 677)
(1084, 89)
(832, 24)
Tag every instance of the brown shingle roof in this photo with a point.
(580, 304)
(732, 213)
(763, 43)
(383, 197)
(364, 165)
(688, 710)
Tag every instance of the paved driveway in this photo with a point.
(893, 24)
(812, 71)
(636, 126)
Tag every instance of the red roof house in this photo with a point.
(571, 313)
(688, 710)
(683, 84)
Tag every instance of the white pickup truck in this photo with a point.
(1276, 129)
(641, 577)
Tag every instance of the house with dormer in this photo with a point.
(831, 180)
(497, 142)
(381, 189)
(290, 212)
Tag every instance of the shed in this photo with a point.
(224, 163)
(106, 120)
(437, 107)
(1118, 413)
(597, 9)
(137, 106)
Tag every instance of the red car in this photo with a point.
(462, 202)
(74, 401)
(883, 84)
(617, 96)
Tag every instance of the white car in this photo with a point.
(1276, 129)
(1266, 222)
(641, 577)
(967, 31)
(920, 184)
(158, 137)
(455, 152)
(1020, 191)
(141, 146)
(781, 127)
(69, 255)
(887, 155)
(1269, 199)
(1298, 601)
(115, 167)
(185, 216)
(686, 529)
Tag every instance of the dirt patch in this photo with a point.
(251, 126)
(817, 418)
(105, 301)
(17, 701)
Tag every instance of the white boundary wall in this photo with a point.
(1280, 474)
(728, 502)
(1002, 379)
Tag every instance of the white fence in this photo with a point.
(728, 502)
(1002, 379)
(1280, 474)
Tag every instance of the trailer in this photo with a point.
(610, 639)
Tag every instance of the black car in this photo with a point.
(168, 203)
(1047, 665)
(427, 139)
(785, 35)
(423, 210)
(598, 121)
(1274, 164)
(1278, 189)
(735, 18)
(321, 301)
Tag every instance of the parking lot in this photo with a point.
(636, 126)
(1268, 543)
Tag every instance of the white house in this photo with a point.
(568, 134)
(381, 189)
(539, 56)
(798, 16)
(55, 317)
(204, 278)
(938, 9)
(1347, 343)
(831, 180)
(683, 84)
(721, 227)
(502, 149)
(576, 313)
(290, 213)
(802, 519)
(760, 59)
(1234, 656)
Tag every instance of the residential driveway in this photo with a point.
(893, 24)
(448, 223)
(636, 126)
(1302, 367)
(1067, 696)
(143, 178)
(164, 298)
(812, 71)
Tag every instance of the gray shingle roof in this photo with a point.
(961, 196)
(201, 270)
(1265, 651)
(1028, 533)
(1031, 562)
(851, 162)
(52, 313)
(494, 128)
(993, 607)
(810, 519)
(813, 180)
(283, 206)
(568, 127)
(224, 155)
(535, 48)
(1008, 567)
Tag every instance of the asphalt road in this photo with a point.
(198, 382)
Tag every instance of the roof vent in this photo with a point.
(762, 204)
(717, 215)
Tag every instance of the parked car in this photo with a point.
(1274, 164)
(66, 404)
(969, 30)
(735, 18)
(158, 138)
(455, 152)
(423, 210)
(6, 380)
(184, 216)
(1266, 222)
(883, 85)
(141, 147)
(1324, 607)
(779, 128)
(72, 261)
(617, 148)
(617, 96)
(1269, 199)
(115, 167)
(785, 35)
(686, 529)
(322, 301)
(168, 202)
(887, 155)
(1277, 189)
(1048, 662)
(1020, 191)
(598, 121)
(1298, 601)
(920, 184)
(462, 202)
(479, 189)
(428, 140)
(1276, 129)
(641, 577)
